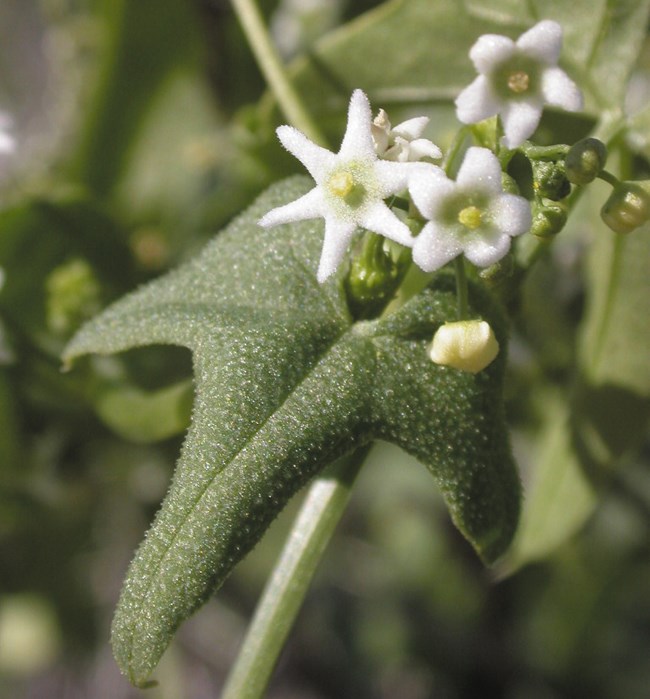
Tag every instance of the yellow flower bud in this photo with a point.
(468, 345)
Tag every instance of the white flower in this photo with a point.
(402, 143)
(471, 216)
(516, 80)
(350, 187)
(468, 345)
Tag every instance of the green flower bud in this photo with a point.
(72, 296)
(550, 180)
(374, 275)
(549, 219)
(628, 206)
(585, 160)
(499, 271)
(509, 184)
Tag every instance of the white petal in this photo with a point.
(428, 188)
(357, 142)
(490, 50)
(477, 102)
(434, 247)
(423, 148)
(560, 91)
(338, 234)
(316, 159)
(380, 219)
(543, 42)
(510, 214)
(394, 177)
(411, 128)
(485, 248)
(480, 169)
(520, 119)
(310, 205)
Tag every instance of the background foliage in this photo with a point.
(142, 129)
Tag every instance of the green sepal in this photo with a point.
(286, 382)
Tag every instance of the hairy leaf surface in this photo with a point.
(286, 382)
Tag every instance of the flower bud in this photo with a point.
(628, 206)
(549, 218)
(468, 345)
(585, 160)
(550, 180)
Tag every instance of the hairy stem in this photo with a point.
(273, 69)
(286, 588)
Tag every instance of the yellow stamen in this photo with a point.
(341, 184)
(518, 81)
(470, 217)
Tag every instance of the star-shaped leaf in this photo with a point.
(286, 382)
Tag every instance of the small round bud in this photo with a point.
(499, 271)
(468, 345)
(549, 219)
(585, 160)
(628, 207)
(550, 180)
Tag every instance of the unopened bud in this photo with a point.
(549, 219)
(585, 160)
(550, 180)
(468, 345)
(628, 206)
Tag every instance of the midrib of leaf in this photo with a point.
(249, 440)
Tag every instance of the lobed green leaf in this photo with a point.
(286, 383)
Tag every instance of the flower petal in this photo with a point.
(316, 159)
(423, 148)
(429, 188)
(477, 102)
(310, 205)
(411, 128)
(485, 247)
(560, 91)
(434, 247)
(542, 42)
(338, 234)
(490, 50)
(380, 219)
(511, 214)
(520, 119)
(480, 169)
(357, 142)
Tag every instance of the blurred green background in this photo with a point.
(141, 128)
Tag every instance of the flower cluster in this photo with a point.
(471, 215)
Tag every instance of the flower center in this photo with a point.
(341, 184)
(349, 185)
(470, 217)
(519, 81)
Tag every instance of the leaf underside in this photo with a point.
(286, 382)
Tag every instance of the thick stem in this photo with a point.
(273, 69)
(290, 580)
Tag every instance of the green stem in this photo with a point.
(288, 584)
(461, 287)
(273, 69)
(609, 178)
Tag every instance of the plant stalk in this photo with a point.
(273, 69)
(286, 588)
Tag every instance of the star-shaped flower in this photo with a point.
(402, 143)
(351, 186)
(471, 216)
(516, 80)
